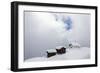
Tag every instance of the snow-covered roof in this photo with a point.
(51, 50)
(59, 47)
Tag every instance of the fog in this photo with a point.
(44, 30)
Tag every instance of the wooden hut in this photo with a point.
(74, 45)
(61, 50)
(51, 52)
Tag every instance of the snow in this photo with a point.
(75, 44)
(73, 53)
(51, 50)
(59, 47)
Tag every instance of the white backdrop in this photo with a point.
(5, 35)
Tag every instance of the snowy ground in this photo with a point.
(72, 53)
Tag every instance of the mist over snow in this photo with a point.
(45, 31)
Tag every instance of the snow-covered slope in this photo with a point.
(73, 53)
